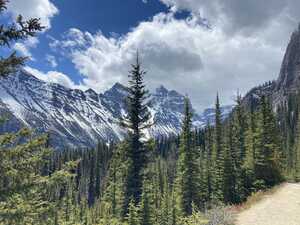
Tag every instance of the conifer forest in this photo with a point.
(193, 177)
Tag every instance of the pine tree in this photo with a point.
(114, 191)
(209, 159)
(218, 155)
(14, 32)
(91, 189)
(188, 165)
(146, 210)
(267, 163)
(249, 162)
(297, 152)
(101, 158)
(25, 193)
(229, 166)
(133, 214)
(238, 150)
(136, 120)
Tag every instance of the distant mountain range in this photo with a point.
(76, 118)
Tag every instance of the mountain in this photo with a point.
(288, 81)
(80, 118)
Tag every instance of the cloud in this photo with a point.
(53, 77)
(43, 9)
(247, 17)
(24, 47)
(180, 54)
(51, 60)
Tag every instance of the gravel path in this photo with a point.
(281, 208)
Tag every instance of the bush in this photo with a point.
(219, 215)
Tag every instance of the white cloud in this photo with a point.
(247, 16)
(43, 9)
(24, 47)
(53, 77)
(51, 60)
(180, 54)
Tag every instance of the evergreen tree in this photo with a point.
(209, 160)
(91, 189)
(218, 155)
(188, 165)
(249, 162)
(133, 214)
(14, 32)
(267, 156)
(26, 195)
(238, 150)
(297, 152)
(146, 210)
(136, 120)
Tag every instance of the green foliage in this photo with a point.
(188, 169)
(135, 182)
(136, 120)
(25, 196)
(196, 218)
(218, 157)
(133, 214)
(14, 32)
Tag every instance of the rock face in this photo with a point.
(289, 78)
(76, 118)
(288, 81)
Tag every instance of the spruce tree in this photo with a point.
(296, 165)
(188, 165)
(133, 214)
(209, 160)
(267, 164)
(238, 150)
(91, 189)
(20, 30)
(137, 119)
(218, 155)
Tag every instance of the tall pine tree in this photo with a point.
(218, 156)
(137, 119)
(189, 172)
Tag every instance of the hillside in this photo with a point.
(82, 118)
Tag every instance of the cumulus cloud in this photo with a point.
(51, 60)
(180, 54)
(247, 17)
(43, 9)
(24, 47)
(53, 77)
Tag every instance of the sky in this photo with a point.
(197, 47)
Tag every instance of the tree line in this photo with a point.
(169, 181)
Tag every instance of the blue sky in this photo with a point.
(91, 43)
(92, 16)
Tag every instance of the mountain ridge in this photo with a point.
(76, 118)
(288, 81)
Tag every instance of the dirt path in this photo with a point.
(281, 208)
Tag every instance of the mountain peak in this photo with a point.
(80, 118)
(162, 90)
(289, 78)
(92, 94)
(118, 86)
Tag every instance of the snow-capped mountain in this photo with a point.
(82, 118)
